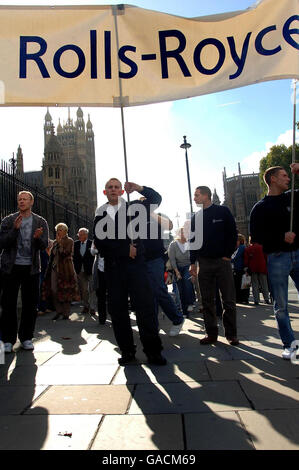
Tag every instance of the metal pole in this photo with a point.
(293, 156)
(185, 146)
(114, 9)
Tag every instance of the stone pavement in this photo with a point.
(71, 394)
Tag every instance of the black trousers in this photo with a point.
(11, 283)
(214, 272)
(129, 279)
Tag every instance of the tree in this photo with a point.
(279, 155)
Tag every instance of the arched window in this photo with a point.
(57, 173)
(50, 172)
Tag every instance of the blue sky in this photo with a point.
(224, 128)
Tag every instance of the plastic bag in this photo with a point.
(246, 281)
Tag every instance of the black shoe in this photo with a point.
(102, 319)
(208, 340)
(233, 341)
(156, 359)
(126, 358)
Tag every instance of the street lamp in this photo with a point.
(186, 146)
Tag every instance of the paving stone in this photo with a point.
(216, 431)
(28, 358)
(95, 357)
(181, 372)
(45, 432)
(273, 429)
(60, 375)
(271, 393)
(250, 350)
(151, 432)
(199, 353)
(15, 399)
(86, 399)
(233, 370)
(188, 397)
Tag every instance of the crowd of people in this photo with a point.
(119, 269)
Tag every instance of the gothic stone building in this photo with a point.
(68, 168)
(241, 192)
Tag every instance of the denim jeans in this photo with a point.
(280, 266)
(155, 270)
(186, 288)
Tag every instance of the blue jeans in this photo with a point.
(186, 289)
(155, 269)
(280, 266)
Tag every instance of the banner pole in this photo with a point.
(293, 156)
(115, 9)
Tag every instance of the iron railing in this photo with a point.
(49, 207)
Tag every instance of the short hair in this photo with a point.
(241, 239)
(178, 233)
(205, 190)
(61, 225)
(272, 171)
(83, 229)
(113, 179)
(27, 192)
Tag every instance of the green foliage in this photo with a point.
(279, 155)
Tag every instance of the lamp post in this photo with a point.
(186, 146)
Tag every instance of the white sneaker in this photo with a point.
(175, 329)
(27, 345)
(287, 353)
(7, 347)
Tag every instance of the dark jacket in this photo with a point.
(219, 234)
(87, 260)
(238, 258)
(115, 246)
(9, 241)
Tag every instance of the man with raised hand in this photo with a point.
(270, 226)
(22, 236)
(120, 244)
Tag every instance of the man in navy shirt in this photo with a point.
(270, 226)
(214, 258)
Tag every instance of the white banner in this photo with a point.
(113, 55)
